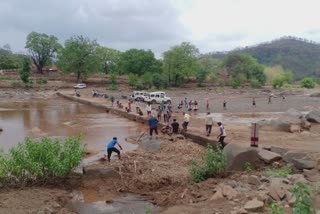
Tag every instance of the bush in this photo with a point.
(277, 209)
(278, 82)
(255, 83)
(112, 87)
(213, 164)
(159, 81)
(42, 81)
(140, 86)
(235, 83)
(24, 72)
(42, 160)
(307, 82)
(303, 203)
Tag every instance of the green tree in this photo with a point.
(159, 81)
(244, 64)
(109, 59)
(133, 80)
(42, 48)
(24, 72)
(209, 67)
(79, 55)
(146, 79)
(138, 62)
(307, 82)
(180, 62)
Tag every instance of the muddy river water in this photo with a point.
(60, 118)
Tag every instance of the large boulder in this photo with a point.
(151, 145)
(237, 156)
(293, 113)
(279, 150)
(100, 171)
(313, 116)
(290, 155)
(254, 205)
(316, 94)
(268, 157)
(303, 164)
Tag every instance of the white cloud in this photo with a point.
(211, 25)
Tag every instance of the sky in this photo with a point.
(210, 25)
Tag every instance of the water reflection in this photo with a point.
(59, 117)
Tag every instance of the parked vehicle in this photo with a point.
(80, 85)
(139, 95)
(157, 97)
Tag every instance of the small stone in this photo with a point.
(229, 192)
(292, 200)
(254, 205)
(297, 178)
(273, 194)
(263, 196)
(217, 195)
(279, 150)
(254, 180)
(311, 175)
(286, 181)
(288, 156)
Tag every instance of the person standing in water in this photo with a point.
(253, 102)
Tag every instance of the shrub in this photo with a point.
(112, 87)
(276, 209)
(159, 81)
(42, 160)
(140, 86)
(255, 83)
(280, 172)
(307, 82)
(248, 167)
(303, 203)
(235, 83)
(42, 81)
(213, 164)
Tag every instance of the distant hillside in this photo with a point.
(299, 55)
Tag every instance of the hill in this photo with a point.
(299, 55)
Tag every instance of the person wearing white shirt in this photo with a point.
(209, 123)
(148, 109)
(186, 120)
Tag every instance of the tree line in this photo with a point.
(179, 64)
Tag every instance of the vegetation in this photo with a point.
(213, 164)
(248, 167)
(40, 161)
(303, 203)
(180, 62)
(244, 68)
(279, 172)
(276, 208)
(296, 54)
(42, 48)
(307, 82)
(109, 59)
(79, 55)
(24, 72)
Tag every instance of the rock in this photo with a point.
(306, 125)
(311, 175)
(228, 192)
(279, 150)
(297, 178)
(303, 164)
(313, 116)
(263, 196)
(254, 205)
(151, 145)
(292, 200)
(239, 211)
(295, 128)
(273, 194)
(254, 180)
(293, 113)
(237, 156)
(315, 94)
(217, 195)
(100, 171)
(268, 157)
(288, 156)
(180, 137)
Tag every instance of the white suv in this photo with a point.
(157, 97)
(80, 85)
(139, 95)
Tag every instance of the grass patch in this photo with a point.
(213, 164)
(6, 78)
(279, 172)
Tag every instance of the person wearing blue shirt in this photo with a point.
(153, 125)
(111, 148)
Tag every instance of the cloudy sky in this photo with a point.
(211, 25)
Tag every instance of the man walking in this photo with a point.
(153, 126)
(148, 109)
(209, 123)
(186, 119)
(111, 148)
(222, 134)
(224, 105)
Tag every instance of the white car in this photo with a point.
(157, 97)
(139, 95)
(80, 85)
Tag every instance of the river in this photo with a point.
(57, 117)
